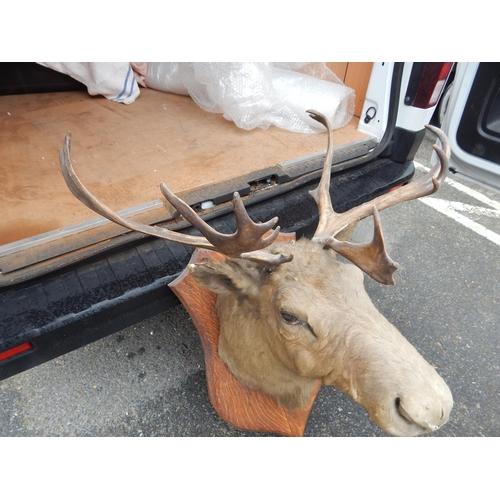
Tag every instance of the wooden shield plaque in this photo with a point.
(241, 407)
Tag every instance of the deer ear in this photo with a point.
(238, 276)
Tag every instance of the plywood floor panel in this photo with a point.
(122, 153)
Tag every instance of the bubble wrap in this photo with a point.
(258, 95)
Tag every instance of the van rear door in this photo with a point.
(472, 122)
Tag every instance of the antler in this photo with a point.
(248, 237)
(371, 257)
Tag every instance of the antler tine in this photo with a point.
(372, 257)
(322, 192)
(439, 171)
(424, 186)
(248, 237)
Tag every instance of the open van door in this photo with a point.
(472, 122)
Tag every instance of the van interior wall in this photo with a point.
(122, 153)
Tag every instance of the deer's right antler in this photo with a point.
(249, 236)
(371, 257)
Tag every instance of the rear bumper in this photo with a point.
(79, 304)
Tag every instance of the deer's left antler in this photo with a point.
(371, 257)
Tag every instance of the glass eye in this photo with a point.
(290, 319)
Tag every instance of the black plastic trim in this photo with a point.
(414, 82)
(404, 144)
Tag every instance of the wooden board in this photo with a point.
(122, 153)
(355, 75)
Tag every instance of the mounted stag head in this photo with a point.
(291, 314)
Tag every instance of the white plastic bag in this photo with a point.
(258, 95)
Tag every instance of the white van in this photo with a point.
(68, 278)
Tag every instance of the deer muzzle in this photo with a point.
(416, 410)
(402, 393)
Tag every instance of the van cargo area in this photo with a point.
(68, 277)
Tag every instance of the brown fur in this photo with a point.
(339, 337)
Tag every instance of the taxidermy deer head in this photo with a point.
(291, 314)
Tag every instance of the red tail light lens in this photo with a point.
(14, 351)
(427, 81)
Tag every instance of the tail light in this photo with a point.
(427, 81)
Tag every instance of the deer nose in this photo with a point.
(428, 417)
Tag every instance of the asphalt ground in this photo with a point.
(149, 379)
